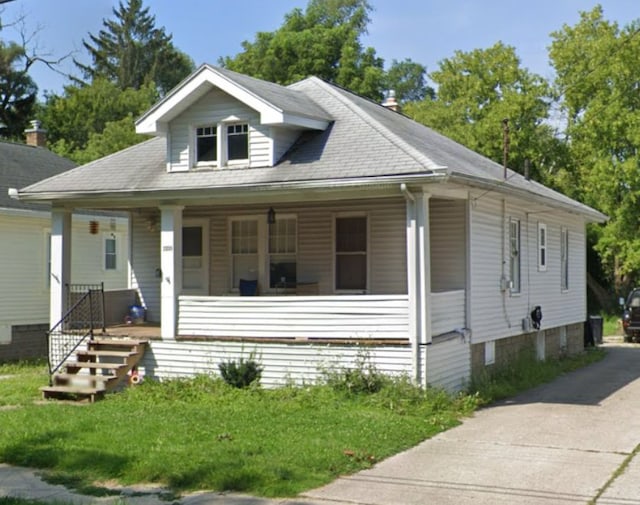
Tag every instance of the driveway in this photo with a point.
(572, 441)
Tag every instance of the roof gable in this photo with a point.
(277, 105)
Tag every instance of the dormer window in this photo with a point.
(206, 144)
(238, 141)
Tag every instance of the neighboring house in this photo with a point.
(361, 231)
(25, 231)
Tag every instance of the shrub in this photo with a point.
(241, 373)
(363, 378)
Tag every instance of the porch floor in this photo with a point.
(135, 331)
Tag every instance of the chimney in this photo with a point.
(36, 136)
(390, 101)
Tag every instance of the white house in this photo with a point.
(358, 229)
(25, 231)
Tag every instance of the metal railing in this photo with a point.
(86, 313)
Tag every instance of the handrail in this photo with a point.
(64, 349)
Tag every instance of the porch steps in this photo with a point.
(100, 368)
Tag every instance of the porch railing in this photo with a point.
(331, 317)
(86, 313)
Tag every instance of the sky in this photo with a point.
(427, 31)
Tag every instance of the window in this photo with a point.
(206, 144)
(244, 250)
(351, 253)
(514, 254)
(238, 142)
(282, 253)
(564, 259)
(110, 252)
(542, 247)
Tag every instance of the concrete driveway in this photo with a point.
(573, 441)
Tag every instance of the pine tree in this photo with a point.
(131, 51)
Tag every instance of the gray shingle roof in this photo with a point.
(365, 140)
(22, 165)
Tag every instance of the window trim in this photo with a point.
(47, 258)
(564, 259)
(515, 278)
(222, 144)
(543, 247)
(115, 237)
(367, 253)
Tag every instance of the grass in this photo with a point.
(203, 434)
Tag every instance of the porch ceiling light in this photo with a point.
(271, 216)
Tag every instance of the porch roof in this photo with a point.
(366, 144)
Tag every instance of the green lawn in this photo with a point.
(202, 434)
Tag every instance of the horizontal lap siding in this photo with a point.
(145, 259)
(282, 363)
(448, 244)
(449, 363)
(210, 109)
(447, 312)
(376, 317)
(495, 315)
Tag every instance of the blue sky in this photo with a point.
(424, 30)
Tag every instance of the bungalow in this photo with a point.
(353, 229)
(25, 231)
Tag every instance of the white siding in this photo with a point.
(24, 291)
(497, 315)
(282, 363)
(345, 317)
(145, 259)
(447, 311)
(448, 244)
(210, 109)
(283, 139)
(449, 363)
(387, 241)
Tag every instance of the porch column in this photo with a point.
(60, 264)
(171, 265)
(424, 278)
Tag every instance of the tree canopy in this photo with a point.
(325, 40)
(132, 52)
(476, 90)
(18, 91)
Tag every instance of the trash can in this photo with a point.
(595, 326)
(137, 314)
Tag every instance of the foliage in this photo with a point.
(362, 378)
(596, 64)
(241, 373)
(131, 52)
(17, 90)
(476, 91)
(97, 118)
(325, 41)
(525, 372)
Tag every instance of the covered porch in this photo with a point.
(386, 273)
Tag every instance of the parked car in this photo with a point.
(631, 316)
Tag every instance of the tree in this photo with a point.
(324, 41)
(131, 52)
(407, 79)
(597, 64)
(96, 118)
(476, 91)
(17, 90)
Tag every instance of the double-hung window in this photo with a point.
(282, 253)
(110, 252)
(351, 253)
(564, 259)
(514, 254)
(207, 144)
(542, 247)
(244, 250)
(222, 143)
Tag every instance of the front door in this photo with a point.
(195, 257)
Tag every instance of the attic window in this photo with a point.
(207, 144)
(238, 141)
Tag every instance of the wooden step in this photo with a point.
(118, 342)
(93, 365)
(83, 377)
(62, 392)
(108, 354)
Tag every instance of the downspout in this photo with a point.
(412, 279)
